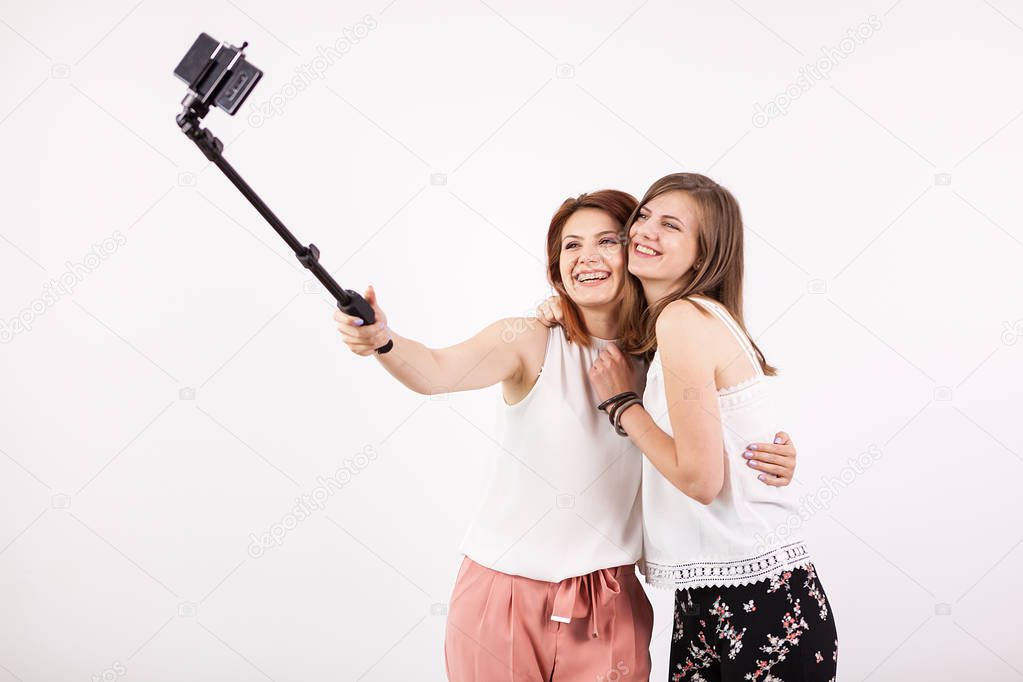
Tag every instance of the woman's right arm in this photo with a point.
(492, 356)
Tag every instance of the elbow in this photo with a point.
(703, 489)
(706, 494)
(416, 385)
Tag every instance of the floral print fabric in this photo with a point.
(780, 629)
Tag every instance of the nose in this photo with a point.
(589, 254)
(643, 230)
(648, 229)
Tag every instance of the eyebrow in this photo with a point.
(644, 208)
(574, 236)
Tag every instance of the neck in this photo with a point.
(655, 290)
(601, 322)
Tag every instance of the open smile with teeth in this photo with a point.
(592, 277)
(645, 250)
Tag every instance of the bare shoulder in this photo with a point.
(527, 339)
(526, 335)
(682, 317)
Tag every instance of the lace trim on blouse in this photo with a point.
(727, 573)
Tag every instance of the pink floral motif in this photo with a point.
(793, 625)
(814, 589)
(700, 657)
(678, 632)
(702, 654)
(725, 630)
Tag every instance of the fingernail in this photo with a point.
(751, 463)
(747, 454)
(760, 477)
(777, 440)
(752, 446)
(358, 322)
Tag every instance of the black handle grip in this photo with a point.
(358, 307)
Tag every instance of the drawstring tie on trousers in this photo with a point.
(585, 595)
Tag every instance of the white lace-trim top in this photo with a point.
(727, 573)
(744, 535)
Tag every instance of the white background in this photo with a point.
(888, 297)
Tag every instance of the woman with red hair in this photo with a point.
(547, 589)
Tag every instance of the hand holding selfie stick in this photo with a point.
(218, 74)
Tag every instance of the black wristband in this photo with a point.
(613, 410)
(619, 411)
(615, 399)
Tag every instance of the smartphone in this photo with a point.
(218, 73)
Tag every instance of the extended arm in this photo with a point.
(492, 356)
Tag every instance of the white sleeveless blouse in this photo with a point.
(743, 535)
(563, 499)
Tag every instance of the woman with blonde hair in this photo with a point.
(746, 608)
(545, 593)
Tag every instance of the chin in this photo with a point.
(638, 269)
(591, 301)
(588, 301)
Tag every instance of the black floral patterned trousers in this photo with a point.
(780, 629)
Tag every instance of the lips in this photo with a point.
(591, 278)
(644, 251)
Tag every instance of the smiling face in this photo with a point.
(663, 243)
(592, 260)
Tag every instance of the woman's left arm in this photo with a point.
(695, 466)
(694, 461)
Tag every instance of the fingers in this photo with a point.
(612, 355)
(772, 469)
(371, 297)
(361, 339)
(549, 312)
(559, 313)
(354, 327)
(782, 438)
(774, 481)
(780, 464)
(767, 458)
(362, 350)
(344, 319)
(783, 450)
(359, 346)
(545, 314)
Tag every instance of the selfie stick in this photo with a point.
(194, 108)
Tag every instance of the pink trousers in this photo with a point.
(506, 628)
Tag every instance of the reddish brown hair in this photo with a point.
(720, 244)
(620, 206)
